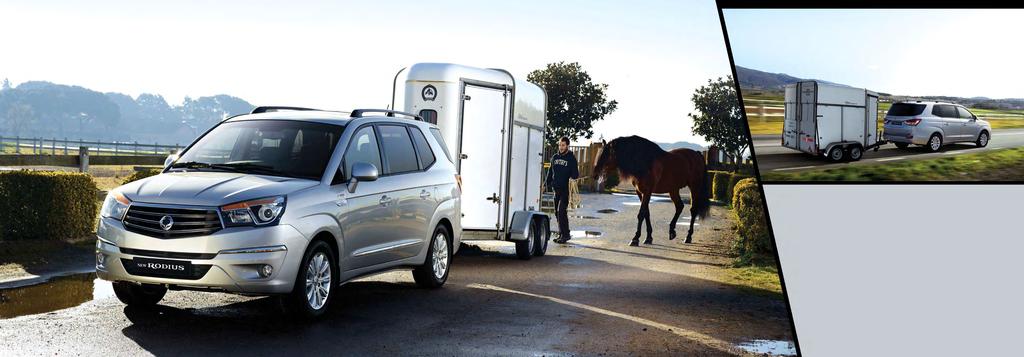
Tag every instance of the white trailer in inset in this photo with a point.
(834, 121)
(494, 124)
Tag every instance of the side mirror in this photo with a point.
(170, 159)
(362, 171)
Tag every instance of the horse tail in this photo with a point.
(702, 203)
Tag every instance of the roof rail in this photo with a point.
(358, 113)
(264, 109)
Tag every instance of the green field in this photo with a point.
(993, 165)
(762, 125)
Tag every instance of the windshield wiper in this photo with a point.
(202, 165)
(255, 168)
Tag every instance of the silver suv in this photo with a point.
(286, 201)
(933, 124)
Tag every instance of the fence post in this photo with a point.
(53, 146)
(136, 148)
(761, 110)
(83, 159)
(65, 145)
(17, 144)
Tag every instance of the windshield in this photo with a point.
(267, 147)
(905, 109)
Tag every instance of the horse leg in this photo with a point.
(678, 202)
(646, 209)
(693, 216)
(639, 220)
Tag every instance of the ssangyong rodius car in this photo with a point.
(290, 202)
(934, 124)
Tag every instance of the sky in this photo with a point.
(344, 54)
(958, 52)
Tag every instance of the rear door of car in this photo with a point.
(367, 213)
(408, 226)
(949, 121)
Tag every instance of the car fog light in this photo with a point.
(266, 270)
(101, 260)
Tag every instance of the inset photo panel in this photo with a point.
(880, 95)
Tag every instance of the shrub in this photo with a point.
(141, 174)
(734, 179)
(46, 205)
(753, 240)
(720, 185)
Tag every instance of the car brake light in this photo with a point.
(912, 122)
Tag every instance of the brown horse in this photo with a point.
(654, 170)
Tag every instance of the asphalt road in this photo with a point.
(593, 296)
(771, 156)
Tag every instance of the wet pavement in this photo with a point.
(592, 296)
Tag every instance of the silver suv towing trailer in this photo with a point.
(290, 202)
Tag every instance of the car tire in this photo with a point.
(901, 145)
(855, 153)
(983, 139)
(140, 295)
(525, 248)
(314, 279)
(434, 271)
(836, 154)
(539, 230)
(934, 143)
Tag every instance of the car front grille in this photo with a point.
(185, 222)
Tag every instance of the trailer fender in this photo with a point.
(521, 224)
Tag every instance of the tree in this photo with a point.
(719, 119)
(575, 102)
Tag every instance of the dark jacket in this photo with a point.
(563, 168)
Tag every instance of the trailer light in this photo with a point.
(912, 122)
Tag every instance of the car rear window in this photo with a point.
(906, 109)
(422, 148)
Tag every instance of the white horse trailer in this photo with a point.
(834, 121)
(494, 124)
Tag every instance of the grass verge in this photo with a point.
(758, 277)
(993, 165)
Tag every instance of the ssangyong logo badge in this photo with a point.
(166, 223)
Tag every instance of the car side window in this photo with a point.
(399, 153)
(362, 148)
(945, 111)
(422, 148)
(964, 113)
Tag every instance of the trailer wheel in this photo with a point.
(856, 152)
(836, 154)
(541, 240)
(526, 247)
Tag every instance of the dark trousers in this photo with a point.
(561, 214)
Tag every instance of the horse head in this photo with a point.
(605, 160)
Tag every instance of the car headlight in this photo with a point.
(115, 205)
(258, 212)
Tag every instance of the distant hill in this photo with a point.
(774, 83)
(45, 109)
(681, 144)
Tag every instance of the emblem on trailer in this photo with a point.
(429, 92)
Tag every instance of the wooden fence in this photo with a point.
(17, 145)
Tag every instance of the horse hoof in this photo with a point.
(634, 243)
(649, 240)
(671, 235)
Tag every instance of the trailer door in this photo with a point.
(807, 116)
(482, 162)
(871, 121)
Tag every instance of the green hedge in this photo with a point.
(753, 241)
(46, 205)
(138, 175)
(722, 183)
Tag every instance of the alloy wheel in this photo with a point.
(440, 256)
(318, 281)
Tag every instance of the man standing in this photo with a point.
(563, 168)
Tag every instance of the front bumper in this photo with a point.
(216, 267)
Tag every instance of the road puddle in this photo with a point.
(583, 217)
(57, 293)
(585, 234)
(769, 347)
(608, 210)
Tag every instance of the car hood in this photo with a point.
(210, 188)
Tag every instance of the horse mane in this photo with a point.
(635, 155)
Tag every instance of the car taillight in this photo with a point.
(912, 122)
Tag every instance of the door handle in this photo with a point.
(463, 156)
(494, 198)
(385, 200)
(424, 194)
(341, 201)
